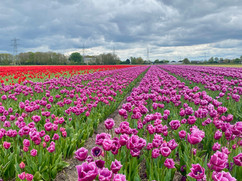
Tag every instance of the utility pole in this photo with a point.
(83, 53)
(205, 56)
(15, 50)
(148, 54)
(113, 50)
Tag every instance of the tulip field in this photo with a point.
(177, 122)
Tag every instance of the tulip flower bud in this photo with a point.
(22, 165)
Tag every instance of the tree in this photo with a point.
(185, 61)
(5, 59)
(221, 60)
(107, 59)
(127, 61)
(76, 57)
(237, 60)
(211, 60)
(42, 58)
(157, 61)
(135, 60)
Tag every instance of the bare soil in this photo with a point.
(70, 173)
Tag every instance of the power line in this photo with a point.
(15, 49)
(83, 53)
(113, 50)
(148, 53)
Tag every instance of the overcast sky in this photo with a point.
(171, 29)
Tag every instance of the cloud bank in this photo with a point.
(171, 29)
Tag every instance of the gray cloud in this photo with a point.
(171, 29)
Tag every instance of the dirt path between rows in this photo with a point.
(70, 173)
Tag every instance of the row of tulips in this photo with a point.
(18, 74)
(222, 88)
(223, 71)
(175, 129)
(42, 123)
(230, 87)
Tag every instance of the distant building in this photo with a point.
(195, 62)
(89, 59)
(174, 62)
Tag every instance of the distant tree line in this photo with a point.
(53, 58)
(75, 58)
(104, 59)
(6, 59)
(157, 61)
(37, 58)
(214, 60)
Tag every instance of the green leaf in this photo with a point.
(44, 169)
(137, 178)
(53, 172)
(45, 176)
(37, 176)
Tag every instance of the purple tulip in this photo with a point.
(175, 124)
(81, 154)
(172, 144)
(194, 151)
(229, 117)
(101, 137)
(194, 138)
(119, 177)
(197, 172)
(115, 146)
(184, 121)
(55, 136)
(182, 113)
(169, 163)
(225, 150)
(96, 151)
(165, 151)
(117, 130)
(156, 143)
(29, 177)
(216, 146)
(6, 145)
(132, 142)
(238, 159)
(222, 176)
(217, 135)
(47, 138)
(149, 146)
(116, 166)
(151, 129)
(87, 171)
(33, 152)
(123, 139)
(141, 143)
(218, 161)
(51, 148)
(191, 120)
(109, 123)
(182, 134)
(135, 152)
(107, 144)
(21, 176)
(26, 143)
(89, 159)
(105, 175)
(100, 163)
(155, 153)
